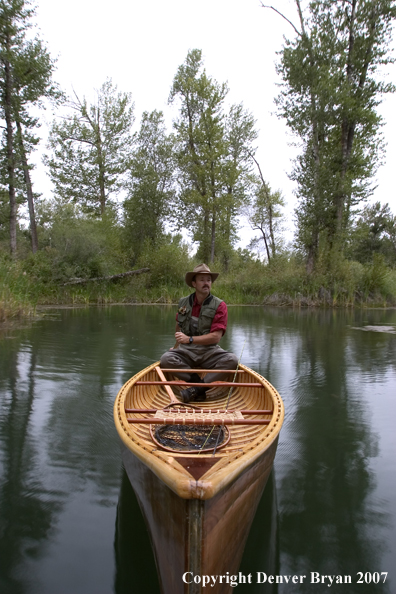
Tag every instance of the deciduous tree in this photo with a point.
(264, 214)
(330, 93)
(151, 183)
(91, 149)
(212, 148)
(25, 79)
(373, 231)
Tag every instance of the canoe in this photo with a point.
(198, 504)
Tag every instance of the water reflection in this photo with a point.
(26, 506)
(134, 559)
(331, 509)
(329, 520)
(262, 548)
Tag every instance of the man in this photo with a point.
(201, 321)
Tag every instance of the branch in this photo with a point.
(80, 281)
(67, 137)
(261, 175)
(283, 16)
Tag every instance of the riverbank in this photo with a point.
(285, 285)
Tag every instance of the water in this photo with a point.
(69, 521)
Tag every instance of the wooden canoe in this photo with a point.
(198, 507)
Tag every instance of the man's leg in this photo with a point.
(188, 358)
(219, 359)
(178, 359)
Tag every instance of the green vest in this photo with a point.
(206, 315)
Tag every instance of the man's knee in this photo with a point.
(233, 361)
(167, 359)
(228, 361)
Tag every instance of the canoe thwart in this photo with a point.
(183, 370)
(208, 384)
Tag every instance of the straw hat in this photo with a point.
(200, 269)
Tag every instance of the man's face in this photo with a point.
(202, 283)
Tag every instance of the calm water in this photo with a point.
(69, 521)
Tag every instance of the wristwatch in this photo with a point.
(191, 340)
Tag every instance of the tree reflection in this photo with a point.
(26, 513)
(134, 559)
(328, 521)
(58, 382)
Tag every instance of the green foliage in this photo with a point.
(76, 247)
(168, 262)
(15, 291)
(330, 93)
(25, 79)
(265, 216)
(375, 276)
(150, 192)
(91, 150)
(212, 154)
(374, 231)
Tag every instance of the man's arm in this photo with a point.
(205, 339)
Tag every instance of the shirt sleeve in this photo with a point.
(220, 319)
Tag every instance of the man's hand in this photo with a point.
(182, 338)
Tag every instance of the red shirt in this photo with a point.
(219, 321)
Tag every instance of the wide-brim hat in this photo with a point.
(200, 269)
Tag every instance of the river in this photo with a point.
(69, 521)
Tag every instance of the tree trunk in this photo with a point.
(10, 152)
(29, 191)
(212, 243)
(312, 251)
(204, 248)
(102, 187)
(260, 228)
(271, 230)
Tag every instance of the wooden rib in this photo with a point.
(202, 411)
(168, 389)
(243, 437)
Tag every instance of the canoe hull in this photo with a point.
(199, 507)
(202, 537)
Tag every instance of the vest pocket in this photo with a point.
(205, 322)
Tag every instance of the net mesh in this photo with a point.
(190, 437)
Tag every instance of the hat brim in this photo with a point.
(190, 276)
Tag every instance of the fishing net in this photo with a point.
(190, 438)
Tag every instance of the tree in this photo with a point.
(329, 98)
(151, 186)
(25, 78)
(240, 135)
(264, 214)
(373, 232)
(211, 152)
(91, 149)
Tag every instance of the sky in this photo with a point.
(141, 43)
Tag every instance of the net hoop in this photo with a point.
(156, 428)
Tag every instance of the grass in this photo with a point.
(284, 283)
(15, 294)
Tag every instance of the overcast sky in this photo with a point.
(141, 43)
